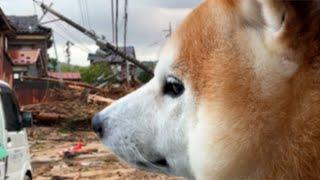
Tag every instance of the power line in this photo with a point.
(117, 22)
(112, 21)
(69, 34)
(81, 13)
(104, 45)
(125, 24)
(87, 13)
(75, 45)
(156, 42)
(168, 31)
(63, 28)
(78, 45)
(55, 47)
(34, 7)
(125, 37)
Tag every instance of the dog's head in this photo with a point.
(221, 92)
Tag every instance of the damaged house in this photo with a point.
(117, 63)
(27, 51)
(28, 48)
(6, 30)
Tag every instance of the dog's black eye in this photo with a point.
(173, 87)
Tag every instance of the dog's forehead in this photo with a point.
(183, 43)
(188, 53)
(167, 57)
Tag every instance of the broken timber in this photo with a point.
(104, 45)
(72, 83)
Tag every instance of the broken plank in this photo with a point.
(72, 83)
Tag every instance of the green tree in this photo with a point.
(143, 76)
(91, 73)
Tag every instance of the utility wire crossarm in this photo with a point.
(104, 45)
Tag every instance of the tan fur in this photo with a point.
(273, 135)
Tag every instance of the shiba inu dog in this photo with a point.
(236, 95)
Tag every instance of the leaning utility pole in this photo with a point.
(104, 45)
(117, 23)
(68, 52)
(168, 31)
(55, 47)
(112, 21)
(125, 38)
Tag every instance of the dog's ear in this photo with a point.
(279, 16)
(288, 23)
(273, 14)
(289, 28)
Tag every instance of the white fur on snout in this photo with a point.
(147, 125)
(128, 121)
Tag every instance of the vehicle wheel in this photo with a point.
(27, 177)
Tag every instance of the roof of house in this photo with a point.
(23, 57)
(28, 24)
(5, 24)
(112, 57)
(65, 75)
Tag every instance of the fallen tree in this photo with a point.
(71, 83)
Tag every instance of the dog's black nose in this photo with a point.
(97, 125)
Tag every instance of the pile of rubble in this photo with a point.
(74, 103)
(89, 158)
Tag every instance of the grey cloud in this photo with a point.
(147, 19)
(174, 4)
(146, 23)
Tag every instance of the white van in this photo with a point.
(16, 163)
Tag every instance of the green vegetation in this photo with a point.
(91, 73)
(142, 76)
(71, 68)
(88, 74)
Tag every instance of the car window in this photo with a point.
(11, 112)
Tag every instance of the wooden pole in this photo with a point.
(106, 46)
(125, 39)
(112, 20)
(117, 22)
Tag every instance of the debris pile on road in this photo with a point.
(87, 159)
(74, 103)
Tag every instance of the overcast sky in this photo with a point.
(147, 21)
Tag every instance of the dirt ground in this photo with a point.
(49, 162)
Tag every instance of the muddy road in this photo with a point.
(77, 155)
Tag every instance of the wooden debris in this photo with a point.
(69, 83)
(68, 104)
(99, 99)
(45, 116)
